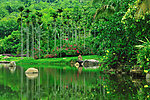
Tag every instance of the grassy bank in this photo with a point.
(26, 60)
(59, 63)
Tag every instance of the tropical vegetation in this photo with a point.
(115, 30)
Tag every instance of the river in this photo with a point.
(62, 84)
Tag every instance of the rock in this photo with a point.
(148, 76)
(12, 69)
(12, 64)
(31, 73)
(148, 80)
(91, 63)
(76, 65)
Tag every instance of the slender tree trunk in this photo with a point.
(39, 41)
(79, 33)
(35, 38)
(21, 39)
(48, 43)
(68, 32)
(55, 36)
(72, 34)
(76, 34)
(84, 37)
(60, 39)
(27, 45)
(32, 41)
(63, 34)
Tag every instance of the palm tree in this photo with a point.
(48, 27)
(143, 7)
(21, 9)
(27, 31)
(140, 7)
(39, 23)
(32, 25)
(107, 8)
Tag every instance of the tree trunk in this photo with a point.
(27, 44)
(32, 41)
(21, 39)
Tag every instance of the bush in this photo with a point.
(11, 43)
(71, 50)
(143, 55)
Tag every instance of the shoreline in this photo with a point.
(66, 63)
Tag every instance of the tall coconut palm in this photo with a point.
(48, 27)
(21, 10)
(39, 24)
(27, 31)
(32, 25)
(55, 32)
(75, 33)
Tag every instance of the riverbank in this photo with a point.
(60, 63)
(67, 63)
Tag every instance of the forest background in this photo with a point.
(116, 30)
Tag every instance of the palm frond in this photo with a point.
(139, 46)
(103, 11)
(142, 41)
(147, 40)
(142, 7)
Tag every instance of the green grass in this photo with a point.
(58, 63)
(62, 60)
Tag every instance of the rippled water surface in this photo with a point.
(56, 84)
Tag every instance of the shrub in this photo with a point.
(143, 55)
(71, 50)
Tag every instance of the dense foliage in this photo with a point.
(70, 27)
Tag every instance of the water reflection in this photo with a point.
(70, 84)
(12, 69)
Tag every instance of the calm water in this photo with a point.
(56, 84)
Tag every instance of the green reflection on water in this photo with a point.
(55, 84)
